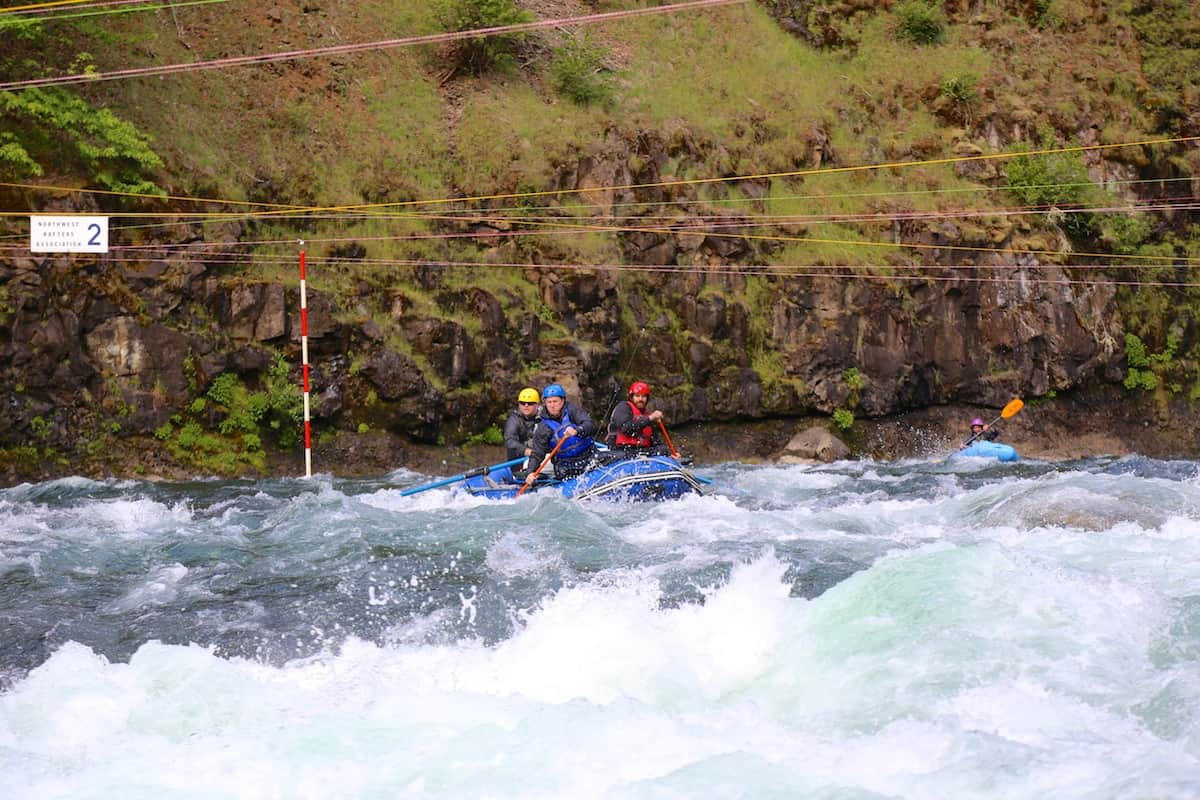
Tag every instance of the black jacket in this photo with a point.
(543, 435)
(989, 435)
(518, 433)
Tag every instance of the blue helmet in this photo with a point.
(554, 390)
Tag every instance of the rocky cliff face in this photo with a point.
(98, 354)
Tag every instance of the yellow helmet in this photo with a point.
(528, 395)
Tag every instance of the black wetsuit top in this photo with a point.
(518, 433)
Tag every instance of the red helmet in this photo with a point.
(639, 387)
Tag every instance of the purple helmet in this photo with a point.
(976, 421)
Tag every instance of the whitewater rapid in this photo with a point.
(855, 630)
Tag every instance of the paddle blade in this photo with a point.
(1012, 408)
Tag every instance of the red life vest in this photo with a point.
(644, 440)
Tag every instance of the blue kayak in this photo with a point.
(1000, 452)
(638, 477)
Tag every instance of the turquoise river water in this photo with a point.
(853, 631)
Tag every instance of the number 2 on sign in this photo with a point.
(95, 229)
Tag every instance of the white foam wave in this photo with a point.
(441, 499)
(928, 675)
(161, 587)
(129, 517)
(518, 553)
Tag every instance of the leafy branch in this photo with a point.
(113, 151)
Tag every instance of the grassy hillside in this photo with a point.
(826, 133)
(745, 95)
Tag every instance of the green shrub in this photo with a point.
(223, 389)
(1142, 363)
(960, 91)
(919, 22)
(1135, 351)
(843, 418)
(1046, 180)
(284, 404)
(15, 161)
(239, 420)
(855, 383)
(1168, 353)
(51, 121)
(1052, 180)
(1125, 233)
(961, 88)
(490, 52)
(491, 435)
(189, 435)
(579, 73)
(240, 439)
(1142, 378)
(287, 437)
(1045, 17)
(17, 28)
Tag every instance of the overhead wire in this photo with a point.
(575, 227)
(554, 228)
(614, 206)
(282, 211)
(45, 5)
(882, 272)
(343, 49)
(542, 227)
(509, 225)
(860, 168)
(110, 8)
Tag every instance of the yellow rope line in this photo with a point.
(572, 227)
(716, 201)
(632, 186)
(808, 240)
(143, 196)
(280, 209)
(35, 6)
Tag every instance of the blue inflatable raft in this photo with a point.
(640, 477)
(1000, 452)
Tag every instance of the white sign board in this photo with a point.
(54, 234)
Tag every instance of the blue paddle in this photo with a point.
(468, 474)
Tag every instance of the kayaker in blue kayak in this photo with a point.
(983, 444)
(980, 430)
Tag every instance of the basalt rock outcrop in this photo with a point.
(100, 348)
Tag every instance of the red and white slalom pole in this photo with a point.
(304, 362)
